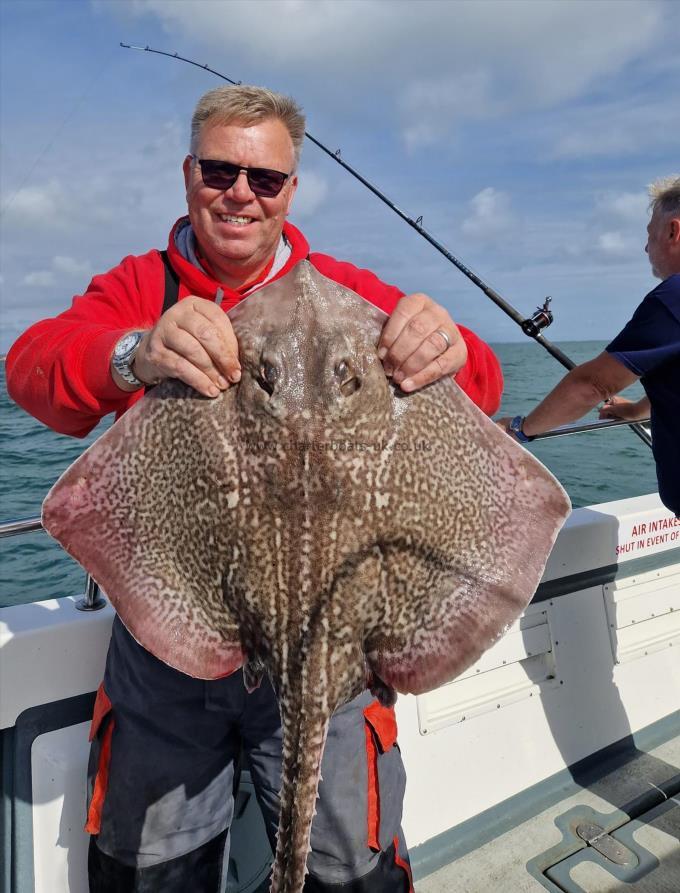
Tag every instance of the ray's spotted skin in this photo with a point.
(312, 523)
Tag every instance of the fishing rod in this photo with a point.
(531, 326)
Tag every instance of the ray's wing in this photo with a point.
(464, 554)
(146, 511)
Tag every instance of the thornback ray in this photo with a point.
(313, 523)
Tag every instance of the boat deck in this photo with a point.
(637, 808)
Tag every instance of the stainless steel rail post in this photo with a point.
(93, 599)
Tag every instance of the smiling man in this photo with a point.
(164, 744)
(239, 235)
(648, 349)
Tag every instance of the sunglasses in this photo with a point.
(223, 174)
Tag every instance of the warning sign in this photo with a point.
(655, 533)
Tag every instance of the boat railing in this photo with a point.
(93, 599)
(580, 428)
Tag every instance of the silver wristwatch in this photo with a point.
(124, 355)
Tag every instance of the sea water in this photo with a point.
(593, 467)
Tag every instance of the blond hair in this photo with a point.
(248, 105)
(665, 196)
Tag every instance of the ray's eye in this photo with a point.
(268, 377)
(349, 382)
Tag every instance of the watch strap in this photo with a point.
(515, 426)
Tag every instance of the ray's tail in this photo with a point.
(304, 737)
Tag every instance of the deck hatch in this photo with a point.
(606, 845)
(652, 839)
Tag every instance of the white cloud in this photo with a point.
(70, 266)
(554, 48)
(434, 107)
(435, 63)
(490, 214)
(39, 279)
(36, 206)
(632, 124)
(480, 93)
(131, 188)
(594, 241)
(52, 209)
(630, 207)
(612, 243)
(171, 139)
(62, 267)
(311, 194)
(616, 229)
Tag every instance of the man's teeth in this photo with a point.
(232, 218)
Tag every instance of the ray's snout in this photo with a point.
(342, 376)
(290, 383)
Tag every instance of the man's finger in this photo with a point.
(174, 344)
(219, 340)
(158, 362)
(195, 342)
(452, 350)
(438, 368)
(408, 307)
(169, 352)
(211, 327)
(418, 333)
(195, 378)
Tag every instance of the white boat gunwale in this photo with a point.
(578, 574)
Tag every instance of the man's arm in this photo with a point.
(58, 370)
(578, 392)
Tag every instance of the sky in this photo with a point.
(525, 133)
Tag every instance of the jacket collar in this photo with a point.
(195, 281)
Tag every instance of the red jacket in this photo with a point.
(58, 370)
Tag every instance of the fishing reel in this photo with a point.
(541, 319)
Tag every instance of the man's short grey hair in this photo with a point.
(665, 196)
(247, 105)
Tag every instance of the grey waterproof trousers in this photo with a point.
(162, 774)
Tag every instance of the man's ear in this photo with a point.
(186, 168)
(674, 233)
(291, 185)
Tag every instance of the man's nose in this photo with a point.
(241, 190)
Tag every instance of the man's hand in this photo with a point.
(412, 348)
(621, 408)
(193, 341)
(504, 423)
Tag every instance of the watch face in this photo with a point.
(126, 344)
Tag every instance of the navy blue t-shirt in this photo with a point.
(649, 346)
